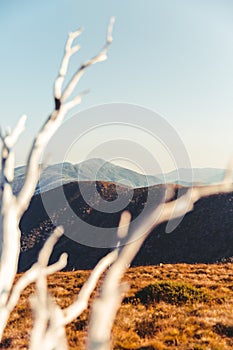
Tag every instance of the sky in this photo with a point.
(173, 57)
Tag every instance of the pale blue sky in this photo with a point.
(172, 56)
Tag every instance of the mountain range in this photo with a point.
(204, 235)
(100, 170)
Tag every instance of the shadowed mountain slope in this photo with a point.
(205, 235)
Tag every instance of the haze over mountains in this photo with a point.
(100, 170)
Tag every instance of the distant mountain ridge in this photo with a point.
(185, 176)
(90, 170)
(100, 170)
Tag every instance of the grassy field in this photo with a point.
(167, 307)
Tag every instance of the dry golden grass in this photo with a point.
(195, 323)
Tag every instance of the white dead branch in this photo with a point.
(62, 106)
(32, 275)
(9, 218)
(44, 308)
(106, 306)
(13, 207)
(81, 303)
(49, 319)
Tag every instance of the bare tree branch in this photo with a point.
(81, 303)
(56, 118)
(12, 207)
(55, 337)
(11, 139)
(101, 56)
(42, 304)
(9, 220)
(69, 51)
(32, 275)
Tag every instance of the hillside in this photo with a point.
(197, 316)
(204, 235)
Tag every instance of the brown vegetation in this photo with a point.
(190, 308)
